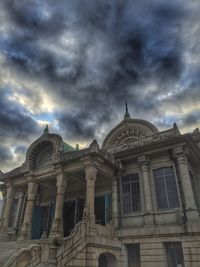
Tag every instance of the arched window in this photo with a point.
(45, 157)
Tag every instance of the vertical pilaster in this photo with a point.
(90, 177)
(57, 226)
(181, 155)
(8, 205)
(25, 232)
(115, 202)
(143, 162)
(2, 207)
(19, 209)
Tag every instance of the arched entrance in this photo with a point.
(107, 260)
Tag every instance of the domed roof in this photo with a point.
(127, 131)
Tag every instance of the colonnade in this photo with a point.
(91, 171)
(61, 184)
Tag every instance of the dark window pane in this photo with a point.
(133, 251)
(161, 195)
(158, 172)
(131, 193)
(166, 188)
(174, 254)
(172, 192)
(126, 198)
(168, 170)
(196, 191)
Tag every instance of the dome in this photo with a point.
(129, 130)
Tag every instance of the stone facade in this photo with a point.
(133, 202)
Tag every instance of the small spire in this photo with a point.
(46, 129)
(77, 147)
(127, 115)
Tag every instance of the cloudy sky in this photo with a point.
(73, 63)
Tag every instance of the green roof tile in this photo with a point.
(67, 147)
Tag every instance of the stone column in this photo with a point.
(90, 176)
(25, 232)
(191, 210)
(115, 202)
(8, 205)
(19, 209)
(143, 162)
(2, 207)
(57, 225)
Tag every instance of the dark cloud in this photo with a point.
(192, 119)
(90, 58)
(5, 154)
(14, 120)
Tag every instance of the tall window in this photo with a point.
(195, 188)
(131, 193)
(133, 251)
(166, 188)
(174, 254)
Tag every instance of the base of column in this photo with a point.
(52, 262)
(25, 232)
(149, 219)
(56, 234)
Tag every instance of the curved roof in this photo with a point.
(127, 131)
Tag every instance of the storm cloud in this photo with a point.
(73, 65)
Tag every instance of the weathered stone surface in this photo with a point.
(73, 202)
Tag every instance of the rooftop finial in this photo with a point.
(127, 115)
(46, 129)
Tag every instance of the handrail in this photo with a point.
(22, 250)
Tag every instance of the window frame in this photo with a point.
(171, 243)
(156, 167)
(136, 248)
(195, 186)
(140, 195)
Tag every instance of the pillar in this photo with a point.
(143, 162)
(181, 155)
(90, 177)
(2, 207)
(8, 205)
(25, 232)
(115, 202)
(19, 209)
(57, 225)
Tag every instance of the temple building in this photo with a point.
(133, 202)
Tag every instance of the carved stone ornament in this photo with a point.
(129, 131)
(44, 151)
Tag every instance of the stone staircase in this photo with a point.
(72, 245)
(79, 249)
(9, 248)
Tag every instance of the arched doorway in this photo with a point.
(107, 260)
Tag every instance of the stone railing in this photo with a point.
(25, 257)
(72, 244)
